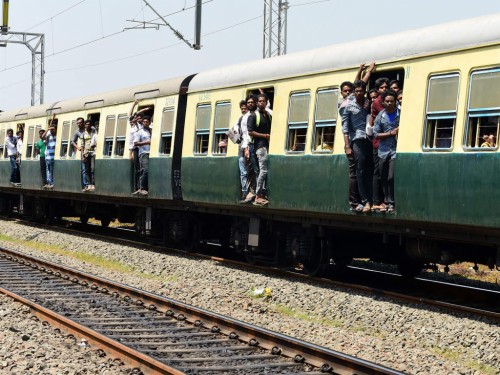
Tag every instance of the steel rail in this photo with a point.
(329, 361)
(423, 284)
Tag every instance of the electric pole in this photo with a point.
(275, 19)
(36, 45)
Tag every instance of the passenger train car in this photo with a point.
(447, 185)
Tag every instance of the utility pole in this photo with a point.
(36, 44)
(275, 29)
(151, 24)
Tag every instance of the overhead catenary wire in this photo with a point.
(89, 42)
(140, 54)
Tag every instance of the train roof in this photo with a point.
(434, 39)
(125, 95)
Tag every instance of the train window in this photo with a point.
(167, 126)
(36, 151)
(94, 118)
(325, 120)
(121, 133)
(149, 112)
(203, 117)
(298, 119)
(72, 131)
(483, 111)
(30, 142)
(109, 132)
(221, 126)
(2, 143)
(64, 140)
(441, 112)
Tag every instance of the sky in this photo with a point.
(89, 50)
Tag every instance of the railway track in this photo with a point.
(451, 297)
(157, 334)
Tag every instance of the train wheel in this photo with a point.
(409, 268)
(192, 240)
(84, 219)
(317, 260)
(105, 221)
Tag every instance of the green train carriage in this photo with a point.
(446, 183)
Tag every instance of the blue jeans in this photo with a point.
(261, 154)
(85, 180)
(14, 169)
(144, 161)
(242, 162)
(50, 171)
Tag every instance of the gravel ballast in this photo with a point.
(409, 338)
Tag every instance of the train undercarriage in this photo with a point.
(318, 248)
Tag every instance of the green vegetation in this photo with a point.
(455, 356)
(297, 314)
(95, 260)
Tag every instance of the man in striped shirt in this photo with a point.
(50, 140)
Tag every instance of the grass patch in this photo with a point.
(454, 356)
(96, 260)
(297, 314)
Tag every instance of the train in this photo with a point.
(446, 185)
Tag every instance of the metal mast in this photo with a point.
(275, 17)
(36, 44)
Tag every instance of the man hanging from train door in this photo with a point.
(259, 128)
(386, 130)
(143, 141)
(80, 122)
(11, 143)
(356, 143)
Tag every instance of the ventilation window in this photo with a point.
(483, 110)
(65, 140)
(202, 136)
(298, 119)
(167, 126)
(109, 132)
(30, 142)
(221, 126)
(71, 134)
(325, 120)
(121, 133)
(441, 112)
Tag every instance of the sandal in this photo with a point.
(260, 202)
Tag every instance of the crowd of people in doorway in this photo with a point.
(370, 125)
(252, 133)
(84, 140)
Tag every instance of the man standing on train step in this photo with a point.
(11, 144)
(80, 122)
(356, 142)
(50, 140)
(259, 128)
(40, 146)
(381, 85)
(142, 140)
(386, 130)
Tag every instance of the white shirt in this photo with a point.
(19, 146)
(11, 145)
(245, 138)
(131, 134)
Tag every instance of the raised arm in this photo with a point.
(132, 108)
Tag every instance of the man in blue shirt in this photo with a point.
(386, 130)
(354, 118)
